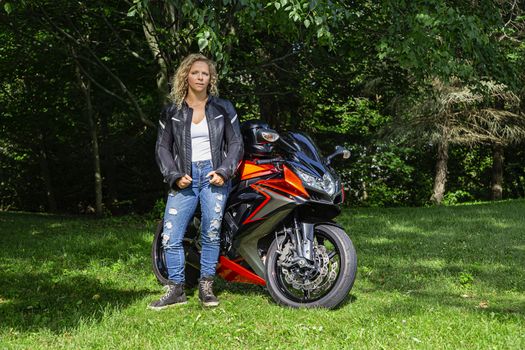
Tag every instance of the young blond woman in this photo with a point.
(198, 148)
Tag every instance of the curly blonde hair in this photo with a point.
(180, 79)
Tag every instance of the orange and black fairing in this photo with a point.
(250, 170)
(231, 271)
(277, 193)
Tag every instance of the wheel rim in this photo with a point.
(160, 260)
(325, 286)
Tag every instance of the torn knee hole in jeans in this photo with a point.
(215, 224)
(165, 239)
(172, 211)
(213, 232)
(218, 208)
(168, 225)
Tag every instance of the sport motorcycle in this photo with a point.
(278, 229)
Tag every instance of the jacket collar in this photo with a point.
(211, 99)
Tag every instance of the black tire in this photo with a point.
(159, 263)
(336, 292)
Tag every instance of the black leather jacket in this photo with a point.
(173, 148)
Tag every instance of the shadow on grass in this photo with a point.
(57, 272)
(244, 289)
(256, 290)
(34, 301)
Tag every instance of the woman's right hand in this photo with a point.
(184, 181)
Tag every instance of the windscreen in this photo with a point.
(303, 143)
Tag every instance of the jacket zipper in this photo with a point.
(188, 140)
(209, 134)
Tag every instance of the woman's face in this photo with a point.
(199, 77)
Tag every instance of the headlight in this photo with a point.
(326, 184)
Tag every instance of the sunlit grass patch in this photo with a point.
(447, 277)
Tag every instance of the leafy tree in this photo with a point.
(460, 114)
(83, 43)
(444, 45)
(337, 70)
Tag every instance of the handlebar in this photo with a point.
(268, 161)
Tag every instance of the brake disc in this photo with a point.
(325, 272)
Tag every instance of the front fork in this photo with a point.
(304, 240)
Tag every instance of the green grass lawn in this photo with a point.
(428, 278)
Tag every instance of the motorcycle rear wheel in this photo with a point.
(159, 262)
(342, 256)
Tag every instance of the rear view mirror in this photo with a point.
(338, 150)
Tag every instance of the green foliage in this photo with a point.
(213, 27)
(469, 174)
(8, 7)
(465, 279)
(157, 212)
(322, 15)
(456, 197)
(336, 70)
(442, 39)
(384, 175)
(356, 116)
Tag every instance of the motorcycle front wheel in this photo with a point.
(325, 283)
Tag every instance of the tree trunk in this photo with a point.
(85, 86)
(440, 178)
(46, 174)
(150, 33)
(497, 172)
(109, 162)
(519, 174)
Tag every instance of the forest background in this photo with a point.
(427, 95)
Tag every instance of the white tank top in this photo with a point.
(200, 141)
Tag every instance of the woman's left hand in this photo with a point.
(215, 179)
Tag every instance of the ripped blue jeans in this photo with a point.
(180, 209)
